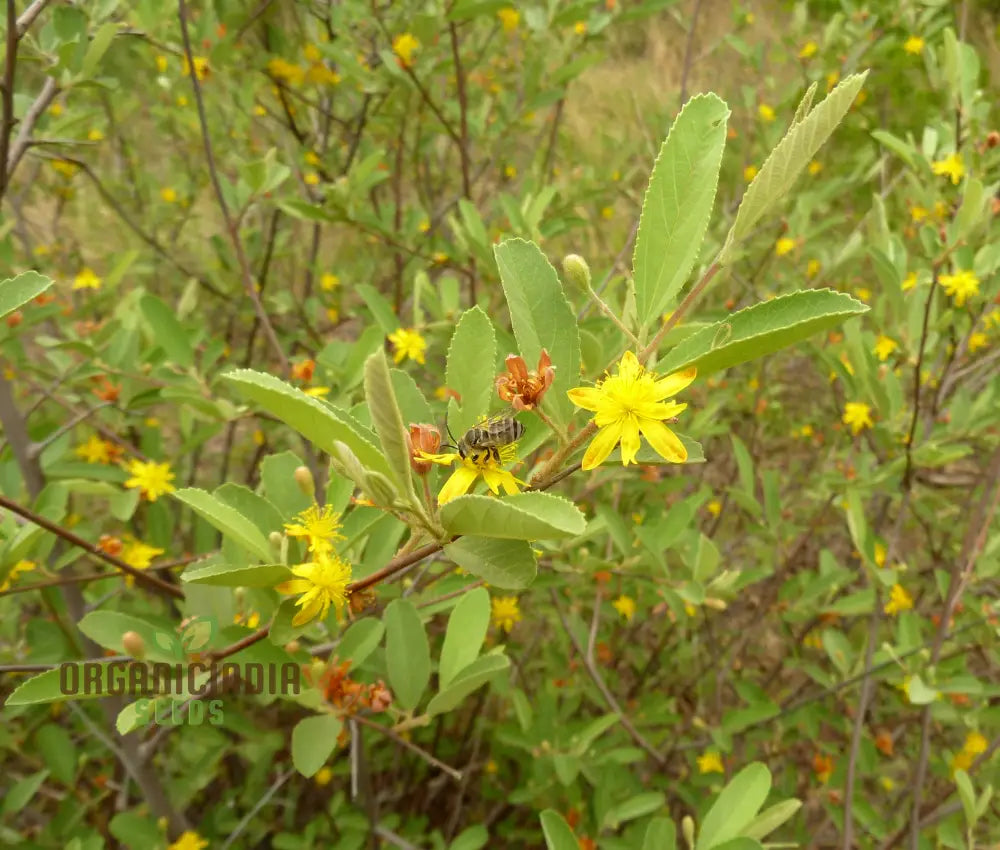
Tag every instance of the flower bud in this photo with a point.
(423, 438)
(687, 830)
(304, 478)
(239, 593)
(379, 488)
(134, 645)
(292, 647)
(577, 271)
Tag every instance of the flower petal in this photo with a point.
(307, 613)
(586, 397)
(295, 585)
(458, 484)
(602, 445)
(664, 441)
(443, 459)
(630, 440)
(629, 368)
(674, 383)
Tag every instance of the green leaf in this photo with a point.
(380, 307)
(678, 204)
(54, 744)
(470, 371)
(17, 291)
(635, 807)
(541, 318)
(227, 520)
(903, 150)
(167, 331)
(761, 329)
(21, 792)
(252, 505)
(359, 641)
(313, 739)
(741, 843)
(388, 421)
(315, 420)
(474, 676)
(474, 838)
(525, 516)
(558, 835)
(238, 575)
(506, 564)
(661, 834)
(277, 473)
(412, 403)
(407, 653)
(97, 48)
(919, 693)
(735, 807)
(106, 628)
(771, 818)
(467, 626)
(45, 687)
(787, 161)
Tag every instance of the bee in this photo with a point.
(490, 436)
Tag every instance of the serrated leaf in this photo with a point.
(469, 679)
(506, 564)
(407, 653)
(524, 516)
(227, 520)
(313, 739)
(238, 575)
(315, 420)
(677, 204)
(735, 807)
(541, 317)
(472, 358)
(465, 634)
(761, 329)
(789, 158)
(388, 421)
(17, 291)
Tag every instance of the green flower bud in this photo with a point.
(577, 271)
(379, 488)
(304, 478)
(687, 830)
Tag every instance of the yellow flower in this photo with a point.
(201, 68)
(962, 760)
(899, 600)
(322, 583)
(510, 171)
(408, 343)
(951, 166)
(320, 527)
(879, 553)
(329, 281)
(960, 286)
(65, 168)
(909, 281)
(976, 743)
(284, 70)
(977, 340)
(815, 167)
(323, 776)
(333, 314)
(918, 213)
(182, 100)
(473, 465)
(607, 212)
(424, 226)
(858, 415)
(631, 402)
(832, 79)
(95, 135)
(580, 27)
(887, 783)
(153, 479)
(625, 605)
(884, 346)
(714, 507)
(749, 173)
(808, 49)
(86, 279)
(189, 840)
(168, 194)
(139, 555)
(509, 18)
(765, 112)
(506, 614)
(914, 44)
(56, 109)
(161, 64)
(95, 450)
(19, 567)
(404, 47)
(311, 178)
(710, 762)
(812, 268)
(784, 246)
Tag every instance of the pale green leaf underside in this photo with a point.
(761, 329)
(678, 204)
(229, 575)
(470, 370)
(17, 291)
(526, 516)
(388, 420)
(506, 564)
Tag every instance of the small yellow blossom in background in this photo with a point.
(714, 507)
(329, 281)
(976, 743)
(918, 213)
(832, 79)
(56, 109)
(168, 194)
(492, 767)
(812, 268)
(962, 760)
(784, 245)
(749, 173)
(710, 762)
(580, 27)
(631, 402)
(317, 392)
(884, 346)
(510, 171)
(607, 212)
(864, 294)
(153, 479)
(189, 840)
(161, 64)
(899, 600)
(909, 281)
(424, 225)
(287, 71)
(815, 167)
(886, 783)
(808, 49)
(322, 583)
(64, 167)
(333, 314)
(408, 343)
(17, 569)
(138, 555)
(311, 158)
(259, 110)
(95, 450)
(505, 612)
(311, 178)
(951, 166)
(509, 19)
(404, 46)
(765, 112)
(978, 340)
(960, 286)
(201, 69)
(880, 554)
(319, 526)
(250, 622)
(941, 210)
(625, 605)
(86, 278)
(858, 415)
(95, 135)
(323, 776)
(440, 257)
(914, 44)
